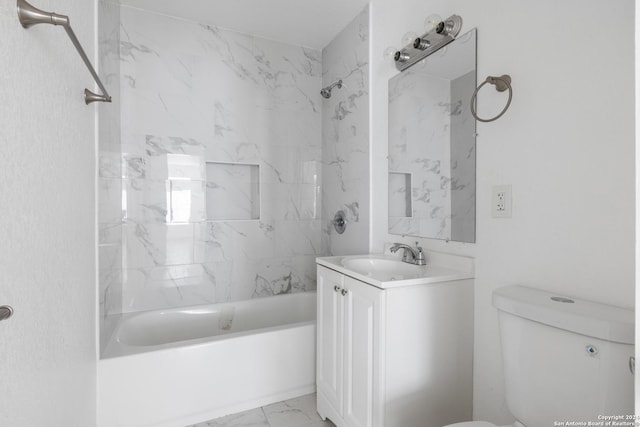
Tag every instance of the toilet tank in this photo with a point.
(564, 359)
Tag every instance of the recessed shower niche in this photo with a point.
(232, 191)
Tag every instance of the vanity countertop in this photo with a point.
(387, 271)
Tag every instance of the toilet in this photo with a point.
(564, 359)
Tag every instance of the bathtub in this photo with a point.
(173, 368)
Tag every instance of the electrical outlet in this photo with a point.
(501, 201)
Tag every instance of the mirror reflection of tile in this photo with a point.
(432, 141)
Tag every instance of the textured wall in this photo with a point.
(206, 113)
(47, 243)
(345, 137)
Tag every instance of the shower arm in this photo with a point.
(29, 16)
(334, 84)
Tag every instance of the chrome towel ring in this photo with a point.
(501, 83)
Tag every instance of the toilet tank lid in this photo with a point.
(607, 322)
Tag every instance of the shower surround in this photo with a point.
(213, 190)
(215, 162)
(211, 114)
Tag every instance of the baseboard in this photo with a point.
(234, 409)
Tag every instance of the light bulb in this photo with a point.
(389, 53)
(408, 38)
(432, 22)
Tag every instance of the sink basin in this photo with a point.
(388, 271)
(381, 266)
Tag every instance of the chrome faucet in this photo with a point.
(411, 255)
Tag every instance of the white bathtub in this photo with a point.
(172, 368)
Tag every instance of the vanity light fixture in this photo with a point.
(439, 34)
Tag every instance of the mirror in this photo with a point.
(432, 145)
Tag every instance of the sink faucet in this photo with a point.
(411, 255)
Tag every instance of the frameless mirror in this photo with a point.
(432, 145)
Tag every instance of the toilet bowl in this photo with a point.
(552, 346)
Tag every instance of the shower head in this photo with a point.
(326, 91)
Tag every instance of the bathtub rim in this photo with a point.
(117, 349)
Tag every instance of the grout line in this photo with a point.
(265, 416)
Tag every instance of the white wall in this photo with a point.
(565, 145)
(47, 230)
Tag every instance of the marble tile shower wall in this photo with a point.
(109, 170)
(345, 137)
(206, 113)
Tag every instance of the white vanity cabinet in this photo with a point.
(399, 356)
(348, 314)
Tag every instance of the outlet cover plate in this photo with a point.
(501, 201)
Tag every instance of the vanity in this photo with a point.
(394, 338)
(394, 341)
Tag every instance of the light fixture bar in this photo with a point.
(430, 42)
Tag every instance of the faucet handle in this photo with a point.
(420, 258)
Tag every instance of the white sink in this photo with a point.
(372, 265)
(388, 271)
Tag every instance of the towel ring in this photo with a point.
(501, 83)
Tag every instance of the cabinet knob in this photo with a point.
(336, 288)
(344, 292)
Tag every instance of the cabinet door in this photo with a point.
(362, 328)
(329, 359)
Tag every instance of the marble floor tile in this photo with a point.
(250, 418)
(297, 412)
